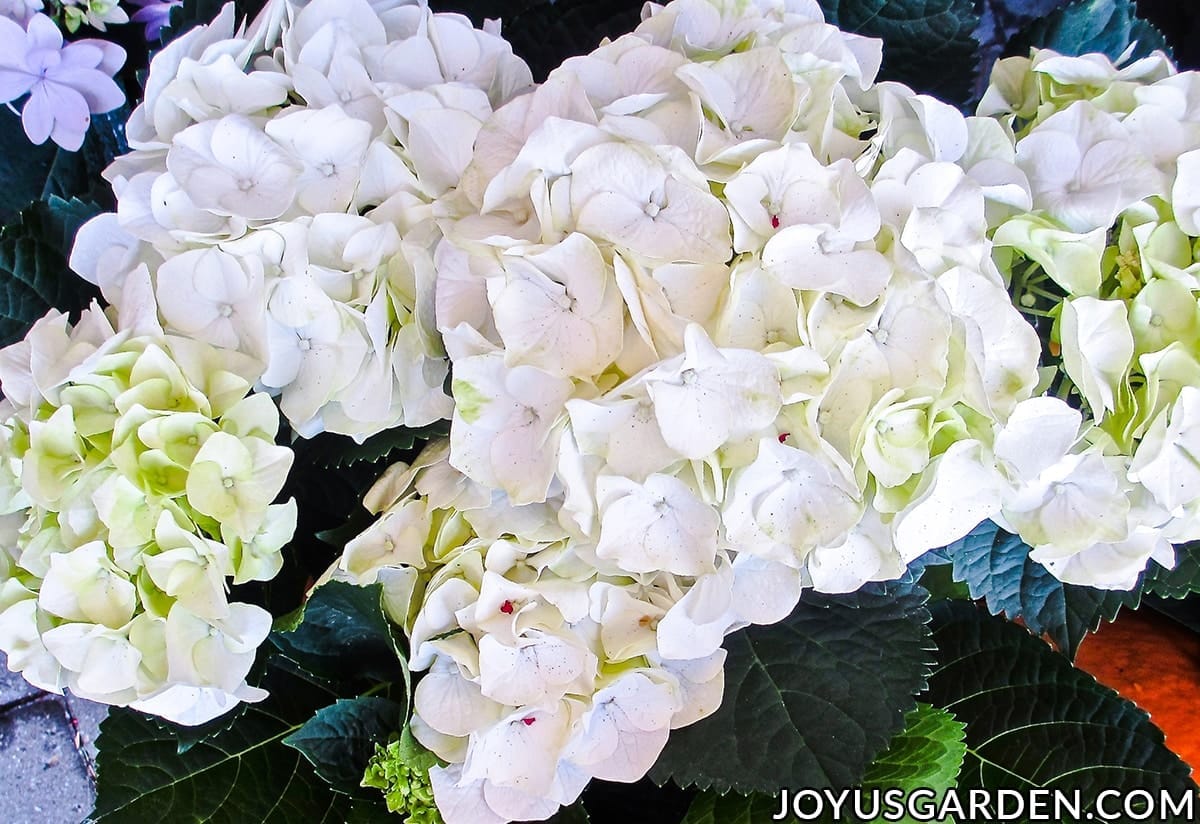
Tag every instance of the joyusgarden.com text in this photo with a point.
(1039, 804)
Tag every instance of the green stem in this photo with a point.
(1043, 293)
(378, 688)
(1039, 313)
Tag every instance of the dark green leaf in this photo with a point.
(23, 166)
(340, 739)
(997, 568)
(939, 580)
(1033, 720)
(547, 33)
(731, 808)
(999, 21)
(610, 802)
(928, 44)
(191, 13)
(329, 476)
(810, 701)
(1185, 611)
(927, 755)
(34, 276)
(329, 507)
(243, 773)
(1181, 580)
(366, 811)
(188, 737)
(329, 451)
(1083, 26)
(354, 526)
(345, 635)
(288, 621)
(928, 752)
(1180, 24)
(78, 174)
(575, 814)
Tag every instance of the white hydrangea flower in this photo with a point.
(559, 309)
(1107, 255)
(825, 243)
(229, 167)
(148, 482)
(1083, 168)
(651, 202)
(504, 424)
(1166, 458)
(841, 291)
(1097, 347)
(788, 502)
(727, 320)
(711, 396)
(656, 525)
(305, 161)
(538, 642)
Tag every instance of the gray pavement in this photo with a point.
(47, 753)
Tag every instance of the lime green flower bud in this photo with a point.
(401, 771)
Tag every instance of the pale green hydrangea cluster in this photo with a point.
(95, 13)
(1107, 257)
(138, 481)
(401, 770)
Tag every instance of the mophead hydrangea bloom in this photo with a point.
(139, 483)
(283, 192)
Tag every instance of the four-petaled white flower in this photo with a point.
(709, 396)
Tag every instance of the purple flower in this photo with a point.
(66, 84)
(20, 10)
(155, 14)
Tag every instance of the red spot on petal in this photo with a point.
(783, 436)
(774, 221)
(507, 608)
(528, 721)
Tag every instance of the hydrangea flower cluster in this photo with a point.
(99, 14)
(547, 663)
(401, 771)
(138, 480)
(282, 191)
(724, 324)
(1108, 255)
(153, 14)
(801, 343)
(722, 319)
(20, 11)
